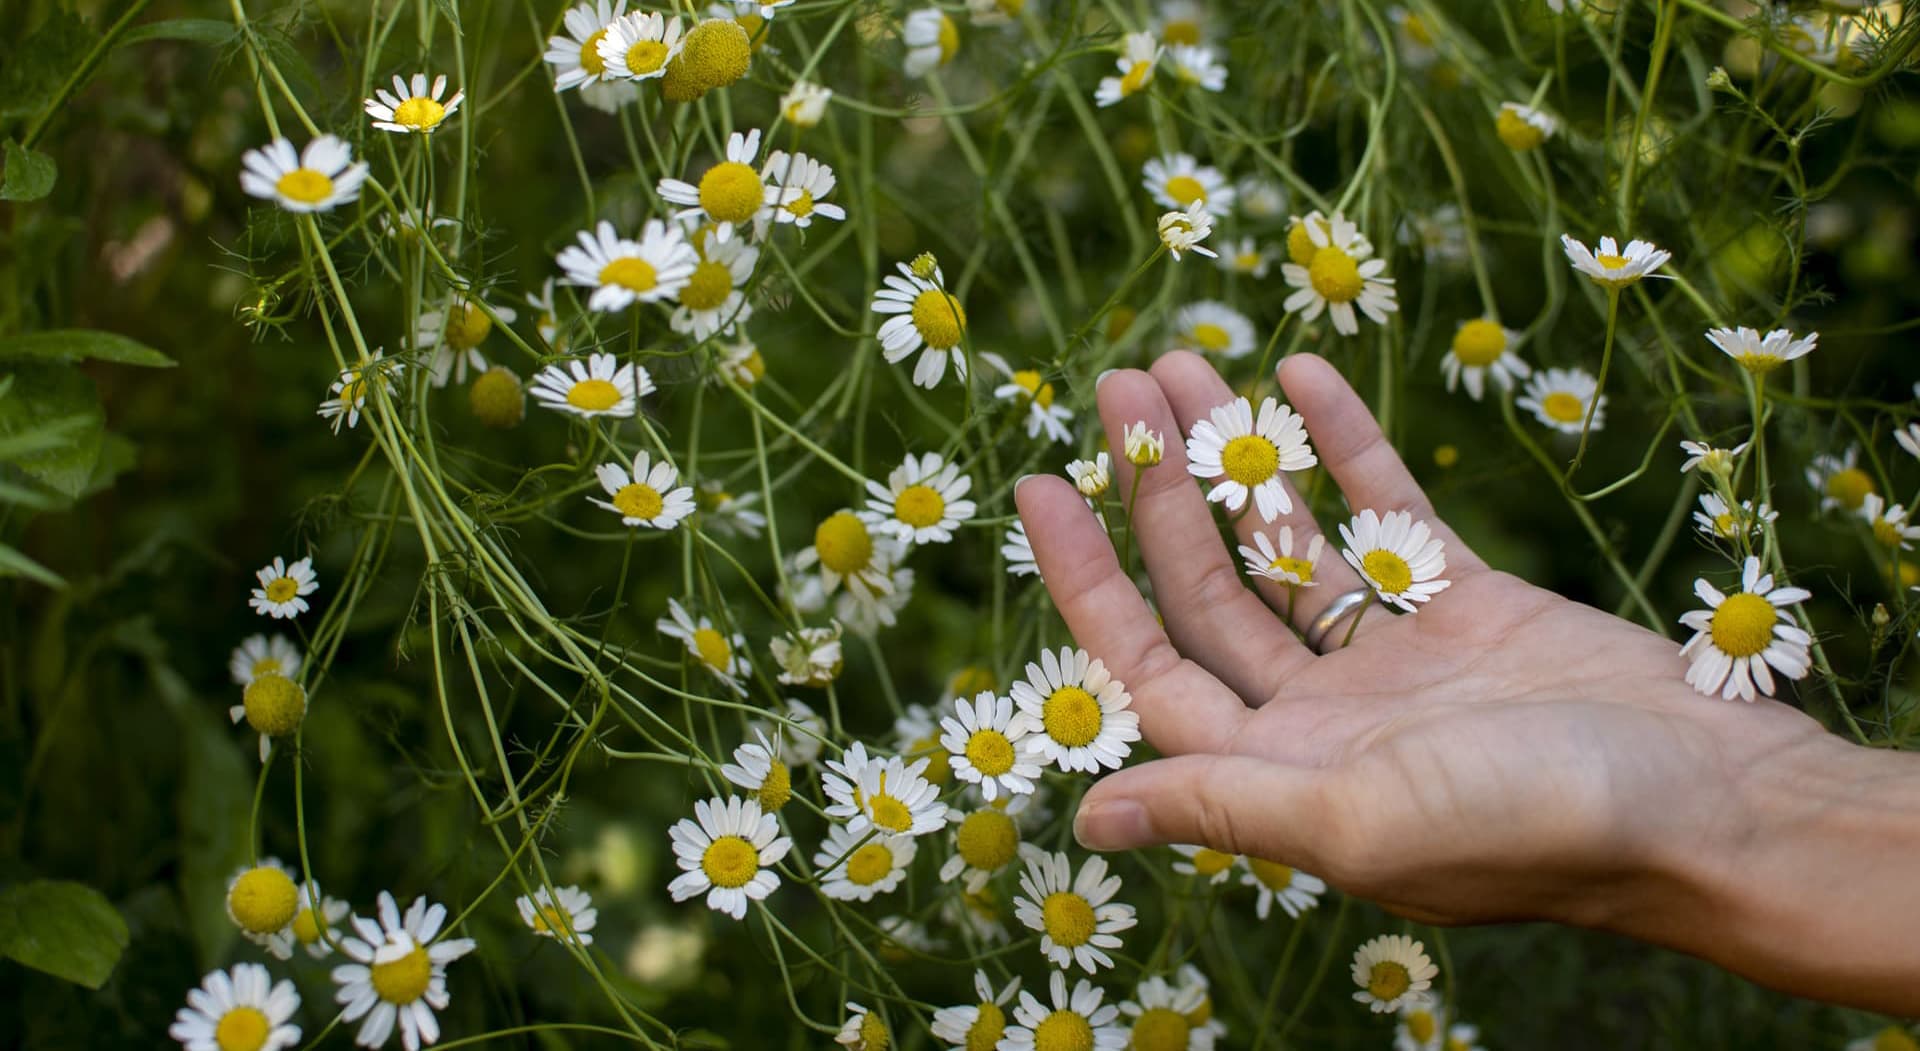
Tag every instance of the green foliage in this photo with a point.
(28, 176)
(65, 929)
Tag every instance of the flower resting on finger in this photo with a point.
(1249, 454)
(1144, 447)
(1091, 477)
(1740, 636)
(1392, 970)
(1075, 916)
(1398, 557)
(1293, 889)
(1081, 712)
(1280, 565)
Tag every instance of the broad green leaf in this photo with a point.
(15, 564)
(44, 437)
(68, 930)
(31, 74)
(29, 174)
(73, 344)
(192, 30)
(48, 391)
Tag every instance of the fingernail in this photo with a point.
(1102, 378)
(1116, 825)
(1020, 481)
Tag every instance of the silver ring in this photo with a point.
(1336, 611)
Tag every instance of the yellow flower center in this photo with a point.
(266, 666)
(712, 646)
(496, 399)
(242, 1029)
(1564, 407)
(1160, 1029)
(889, 813)
(731, 192)
(1517, 132)
(593, 395)
(776, 788)
(1068, 918)
(1421, 1026)
(646, 56)
(800, 207)
(1271, 873)
(1181, 32)
(1388, 571)
(730, 861)
(275, 705)
(873, 1034)
(1185, 189)
(939, 318)
(1298, 567)
(1759, 363)
(1893, 1038)
(949, 39)
(590, 59)
(1611, 262)
(642, 501)
(843, 543)
(552, 919)
(716, 53)
(987, 1028)
(1849, 487)
(1743, 625)
(1887, 533)
(1250, 459)
(939, 770)
(708, 288)
(1727, 524)
(990, 752)
(1479, 343)
(1335, 275)
(1063, 1030)
(1209, 336)
(420, 113)
(1135, 78)
(1388, 980)
(1204, 1013)
(631, 273)
(305, 185)
(987, 840)
(466, 327)
(404, 980)
(1036, 390)
(282, 588)
(1417, 30)
(919, 506)
(972, 679)
(1209, 863)
(1300, 246)
(1072, 717)
(869, 865)
(306, 925)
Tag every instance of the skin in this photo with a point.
(1505, 754)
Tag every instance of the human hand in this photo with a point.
(1502, 754)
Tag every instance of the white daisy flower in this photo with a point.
(599, 387)
(1740, 635)
(608, 96)
(739, 360)
(283, 588)
(1521, 127)
(1139, 54)
(805, 103)
(1293, 889)
(863, 1030)
(575, 58)
(398, 973)
(638, 45)
(1909, 439)
(1144, 447)
(1182, 231)
(759, 769)
(566, 914)
(978, 1025)
(798, 187)
(1610, 267)
(1279, 564)
(1026, 387)
(1091, 477)
(647, 497)
(1077, 1021)
(1483, 347)
(262, 901)
(1078, 710)
(1415, 37)
(1249, 455)
(723, 656)
(349, 389)
(922, 314)
(546, 319)
(1392, 970)
(259, 655)
(1213, 327)
(622, 271)
(1339, 277)
(238, 1008)
(985, 841)
(728, 855)
(1760, 354)
(848, 552)
(1260, 197)
(322, 177)
(1174, 1017)
(1889, 522)
(1199, 66)
(412, 106)
(1839, 480)
(728, 514)
(315, 923)
(1718, 520)
(1183, 22)
(923, 501)
(931, 39)
(1441, 235)
(808, 656)
(1422, 1027)
(856, 866)
(1245, 256)
(1178, 180)
(453, 332)
(1714, 461)
(883, 793)
(273, 706)
(1559, 398)
(712, 301)
(1018, 551)
(731, 193)
(984, 741)
(800, 733)
(1398, 557)
(1204, 863)
(903, 940)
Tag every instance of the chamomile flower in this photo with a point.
(805, 103)
(546, 319)
(1246, 256)
(1079, 711)
(739, 361)
(1183, 22)
(758, 768)
(1760, 354)
(1029, 389)
(1182, 231)
(984, 741)
(985, 841)
(1839, 480)
(575, 58)
(916, 735)
(274, 706)
(800, 731)
(1889, 522)
(1398, 557)
(727, 852)
(647, 497)
(1213, 327)
(259, 655)
(932, 40)
(1293, 889)
(412, 107)
(349, 389)
(1481, 348)
(1415, 37)
(856, 866)
(1422, 1026)
(1080, 1021)
(1741, 635)
(723, 656)
(1521, 127)
(728, 514)
(1720, 521)
(808, 656)
(921, 314)
(453, 332)
(711, 302)
(1339, 278)
(1909, 439)
(1091, 477)
(977, 1025)
(1611, 267)
(1561, 398)
(319, 179)
(564, 914)
(1144, 447)
(1139, 54)
(923, 502)
(1076, 916)
(262, 901)
(284, 588)
(1712, 460)
(1172, 1017)
(599, 387)
(314, 924)
(848, 552)
(1279, 564)
(1392, 970)
(1206, 863)
(1260, 197)
(241, 1009)
(798, 187)
(638, 45)
(883, 793)
(1249, 455)
(1018, 551)
(1199, 66)
(622, 271)
(1178, 180)
(864, 1030)
(730, 193)
(903, 939)
(398, 974)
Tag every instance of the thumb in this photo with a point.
(1235, 804)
